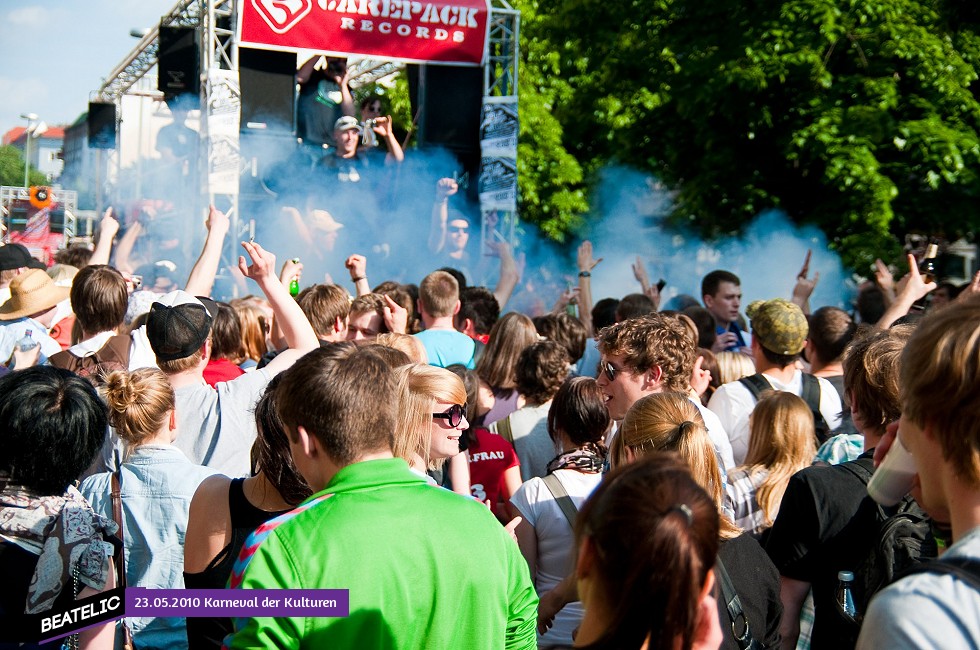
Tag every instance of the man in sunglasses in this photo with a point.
(653, 354)
(450, 231)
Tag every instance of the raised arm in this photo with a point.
(303, 74)
(201, 279)
(804, 286)
(445, 188)
(357, 265)
(296, 329)
(382, 126)
(510, 273)
(108, 228)
(911, 288)
(125, 247)
(651, 291)
(585, 265)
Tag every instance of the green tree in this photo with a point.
(861, 117)
(12, 168)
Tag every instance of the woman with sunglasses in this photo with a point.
(577, 422)
(432, 406)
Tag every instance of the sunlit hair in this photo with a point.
(405, 343)
(732, 366)
(651, 341)
(323, 304)
(255, 330)
(420, 388)
(191, 361)
(782, 442)
(671, 422)
(579, 411)
(652, 534)
(226, 334)
(439, 293)
(139, 403)
(831, 329)
(508, 338)
(270, 451)
(871, 371)
(566, 330)
(541, 369)
(940, 375)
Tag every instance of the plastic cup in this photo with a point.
(894, 477)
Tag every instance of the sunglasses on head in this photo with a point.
(454, 414)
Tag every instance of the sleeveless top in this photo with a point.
(245, 518)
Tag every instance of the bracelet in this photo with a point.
(359, 278)
(584, 274)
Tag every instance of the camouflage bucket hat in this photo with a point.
(779, 325)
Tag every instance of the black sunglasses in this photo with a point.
(454, 415)
(458, 230)
(609, 369)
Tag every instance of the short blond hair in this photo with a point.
(940, 372)
(439, 293)
(732, 366)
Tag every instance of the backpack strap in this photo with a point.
(505, 430)
(811, 395)
(734, 606)
(863, 468)
(561, 497)
(966, 569)
(757, 384)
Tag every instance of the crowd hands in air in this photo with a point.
(479, 477)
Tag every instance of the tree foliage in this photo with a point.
(12, 168)
(861, 117)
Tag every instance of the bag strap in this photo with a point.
(734, 605)
(966, 569)
(116, 493)
(811, 395)
(756, 384)
(561, 497)
(504, 429)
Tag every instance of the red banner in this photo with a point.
(435, 31)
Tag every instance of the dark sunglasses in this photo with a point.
(454, 415)
(609, 369)
(458, 230)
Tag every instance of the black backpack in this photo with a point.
(901, 539)
(758, 384)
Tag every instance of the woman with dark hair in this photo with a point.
(52, 425)
(226, 346)
(647, 541)
(225, 511)
(577, 422)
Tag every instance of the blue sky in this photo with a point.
(54, 54)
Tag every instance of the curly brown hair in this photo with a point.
(651, 341)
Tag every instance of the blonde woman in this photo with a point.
(432, 418)
(671, 422)
(157, 483)
(782, 442)
(732, 366)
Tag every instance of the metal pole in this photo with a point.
(27, 153)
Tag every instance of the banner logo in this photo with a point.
(282, 15)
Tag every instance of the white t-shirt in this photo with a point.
(733, 403)
(141, 355)
(556, 542)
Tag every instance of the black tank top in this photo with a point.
(245, 518)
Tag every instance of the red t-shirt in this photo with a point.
(490, 457)
(219, 370)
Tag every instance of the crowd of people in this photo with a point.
(627, 477)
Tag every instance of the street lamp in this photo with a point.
(34, 129)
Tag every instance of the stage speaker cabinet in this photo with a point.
(268, 83)
(101, 125)
(447, 100)
(178, 61)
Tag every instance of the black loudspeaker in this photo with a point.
(101, 125)
(268, 83)
(178, 61)
(447, 100)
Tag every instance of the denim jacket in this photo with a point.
(158, 482)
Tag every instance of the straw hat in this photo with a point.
(31, 292)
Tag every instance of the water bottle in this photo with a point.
(27, 342)
(845, 597)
